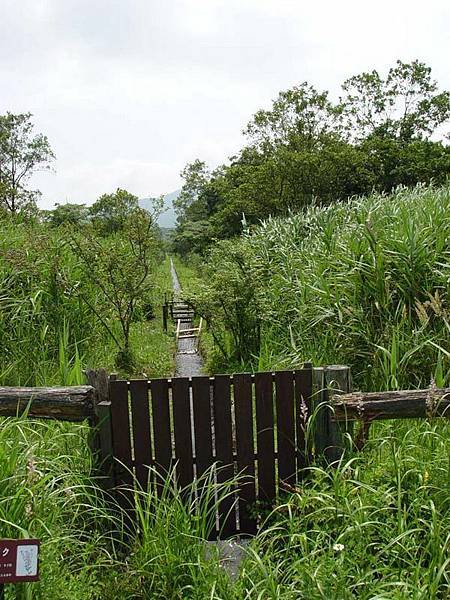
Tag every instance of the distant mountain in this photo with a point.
(168, 218)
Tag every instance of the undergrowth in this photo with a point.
(363, 283)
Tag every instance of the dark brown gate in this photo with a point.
(251, 425)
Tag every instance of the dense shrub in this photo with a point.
(364, 282)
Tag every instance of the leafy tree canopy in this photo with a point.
(21, 154)
(111, 211)
(405, 105)
(306, 149)
(64, 214)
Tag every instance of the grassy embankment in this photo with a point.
(364, 283)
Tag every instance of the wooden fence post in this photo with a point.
(337, 380)
(164, 316)
(101, 434)
(319, 413)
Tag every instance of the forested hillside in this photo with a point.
(383, 131)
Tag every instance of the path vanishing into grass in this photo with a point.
(186, 365)
(191, 365)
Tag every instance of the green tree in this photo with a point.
(21, 155)
(68, 214)
(196, 176)
(405, 105)
(298, 119)
(304, 149)
(235, 317)
(119, 265)
(111, 211)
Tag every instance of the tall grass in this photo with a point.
(46, 492)
(47, 330)
(377, 526)
(364, 283)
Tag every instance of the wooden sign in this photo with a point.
(19, 561)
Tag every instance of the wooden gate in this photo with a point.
(251, 425)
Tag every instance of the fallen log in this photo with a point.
(63, 403)
(405, 404)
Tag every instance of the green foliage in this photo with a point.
(306, 150)
(43, 323)
(120, 266)
(53, 320)
(363, 283)
(375, 527)
(68, 214)
(21, 154)
(227, 298)
(46, 492)
(111, 211)
(405, 106)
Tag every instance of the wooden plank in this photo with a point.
(245, 450)
(162, 438)
(165, 316)
(223, 432)
(142, 442)
(201, 404)
(405, 404)
(265, 436)
(303, 409)
(284, 385)
(120, 424)
(182, 431)
(61, 403)
(201, 398)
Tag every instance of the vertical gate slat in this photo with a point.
(284, 384)
(182, 430)
(161, 429)
(265, 437)
(201, 404)
(245, 450)
(201, 399)
(223, 431)
(140, 412)
(120, 424)
(303, 403)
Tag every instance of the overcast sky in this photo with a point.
(129, 91)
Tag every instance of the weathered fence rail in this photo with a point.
(405, 404)
(63, 403)
(267, 427)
